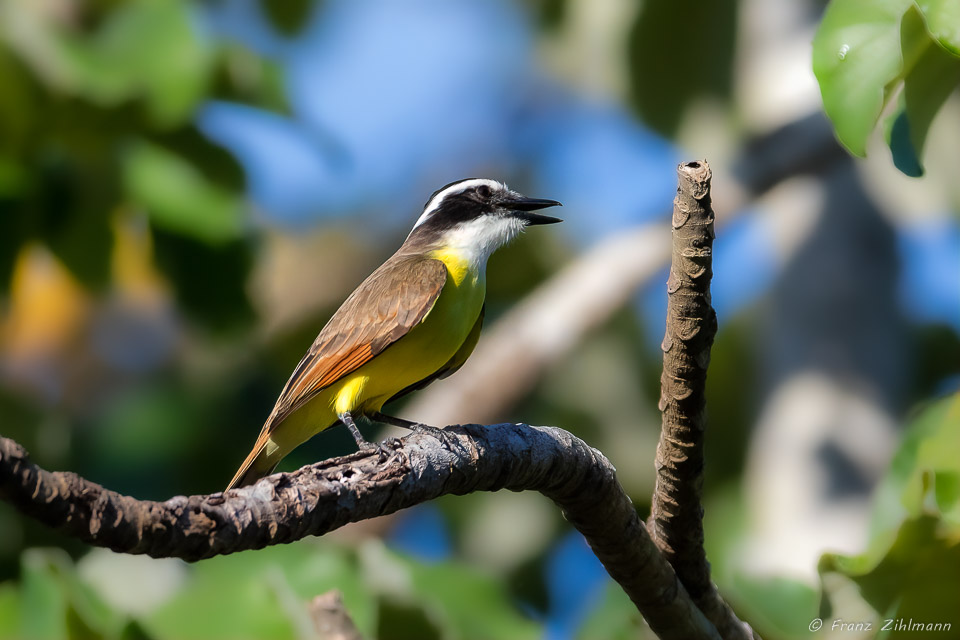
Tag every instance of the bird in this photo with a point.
(414, 320)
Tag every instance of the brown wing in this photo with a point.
(393, 300)
(390, 302)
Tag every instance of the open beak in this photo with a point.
(524, 207)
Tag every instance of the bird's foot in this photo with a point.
(363, 445)
(382, 450)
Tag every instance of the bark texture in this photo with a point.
(329, 494)
(677, 512)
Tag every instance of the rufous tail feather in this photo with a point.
(258, 464)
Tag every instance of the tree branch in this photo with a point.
(676, 512)
(326, 495)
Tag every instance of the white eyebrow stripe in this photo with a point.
(458, 187)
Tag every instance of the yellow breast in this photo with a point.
(459, 268)
(425, 349)
(416, 356)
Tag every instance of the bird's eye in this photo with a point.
(484, 191)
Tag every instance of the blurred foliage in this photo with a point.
(868, 53)
(139, 350)
(125, 232)
(98, 109)
(253, 595)
(701, 47)
(911, 568)
(288, 16)
(616, 618)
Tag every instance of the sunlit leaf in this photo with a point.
(930, 74)
(11, 611)
(943, 21)
(926, 453)
(856, 55)
(918, 577)
(911, 568)
(156, 45)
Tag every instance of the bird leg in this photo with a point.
(416, 427)
(347, 419)
(362, 444)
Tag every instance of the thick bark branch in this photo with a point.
(677, 514)
(329, 494)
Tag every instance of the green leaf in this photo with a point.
(260, 594)
(145, 49)
(615, 618)
(44, 603)
(911, 568)
(778, 607)
(905, 154)
(470, 605)
(943, 21)
(917, 578)
(866, 50)
(929, 73)
(926, 454)
(152, 43)
(56, 604)
(11, 611)
(856, 55)
(178, 198)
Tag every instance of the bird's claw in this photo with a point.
(383, 452)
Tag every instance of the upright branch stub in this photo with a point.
(691, 326)
(677, 514)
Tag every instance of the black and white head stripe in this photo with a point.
(455, 189)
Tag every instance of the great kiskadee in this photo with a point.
(412, 321)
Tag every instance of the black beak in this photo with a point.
(523, 208)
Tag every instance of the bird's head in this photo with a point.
(477, 215)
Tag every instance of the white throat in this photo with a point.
(477, 239)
